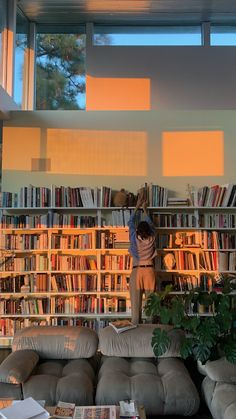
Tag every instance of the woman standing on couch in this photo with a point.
(143, 251)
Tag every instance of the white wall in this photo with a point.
(192, 89)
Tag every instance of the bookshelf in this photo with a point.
(196, 245)
(65, 258)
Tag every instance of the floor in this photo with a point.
(203, 412)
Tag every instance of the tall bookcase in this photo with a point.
(196, 246)
(65, 260)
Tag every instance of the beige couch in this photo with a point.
(53, 363)
(219, 388)
(129, 371)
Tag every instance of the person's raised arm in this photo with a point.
(147, 217)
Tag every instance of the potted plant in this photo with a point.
(206, 337)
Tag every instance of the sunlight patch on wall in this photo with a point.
(111, 5)
(20, 145)
(110, 153)
(116, 94)
(193, 153)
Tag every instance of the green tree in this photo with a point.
(60, 71)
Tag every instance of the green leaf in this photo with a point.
(160, 341)
(186, 348)
(230, 352)
(153, 304)
(208, 331)
(202, 352)
(165, 315)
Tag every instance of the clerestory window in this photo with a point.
(60, 68)
(147, 35)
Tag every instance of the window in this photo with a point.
(20, 65)
(2, 28)
(147, 36)
(60, 68)
(223, 35)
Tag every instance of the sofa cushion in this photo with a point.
(220, 398)
(57, 342)
(137, 342)
(163, 387)
(221, 370)
(18, 366)
(68, 381)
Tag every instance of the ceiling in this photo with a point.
(129, 11)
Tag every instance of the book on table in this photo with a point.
(24, 409)
(129, 409)
(64, 410)
(95, 412)
(122, 325)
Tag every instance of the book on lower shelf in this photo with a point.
(122, 325)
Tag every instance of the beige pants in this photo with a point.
(142, 280)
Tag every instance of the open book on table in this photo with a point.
(96, 412)
(122, 325)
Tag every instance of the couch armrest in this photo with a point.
(221, 370)
(18, 366)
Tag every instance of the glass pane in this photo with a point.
(223, 35)
(20, 65)
(2, 27)
(60, 71)
(147, 36)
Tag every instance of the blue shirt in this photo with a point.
(133, 235)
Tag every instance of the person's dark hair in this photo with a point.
(144, 230)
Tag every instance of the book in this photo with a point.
(129, 409)
(24, 409)
(95, 412)
(122, 325)
(64, 410)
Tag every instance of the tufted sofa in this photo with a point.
(219, 388)
(129, 371)
(62, 363)
(51, 364)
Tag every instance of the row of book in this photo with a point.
(9, 326)
(49, 220)
(222, 261)
(63, 283)
(116, 262)
(61, 262)
(24, 241)
(177, 239)
(57, 196)
(35, 262)
(217, 240)
(65, 305)
(119, 218)
(220, 220)
(215, 196)
(72, 241)
(203, 239)
(174, 220)
(62, 196)
(87, 197)
(177, 260)
(108, 239)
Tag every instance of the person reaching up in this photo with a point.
(143, 251)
